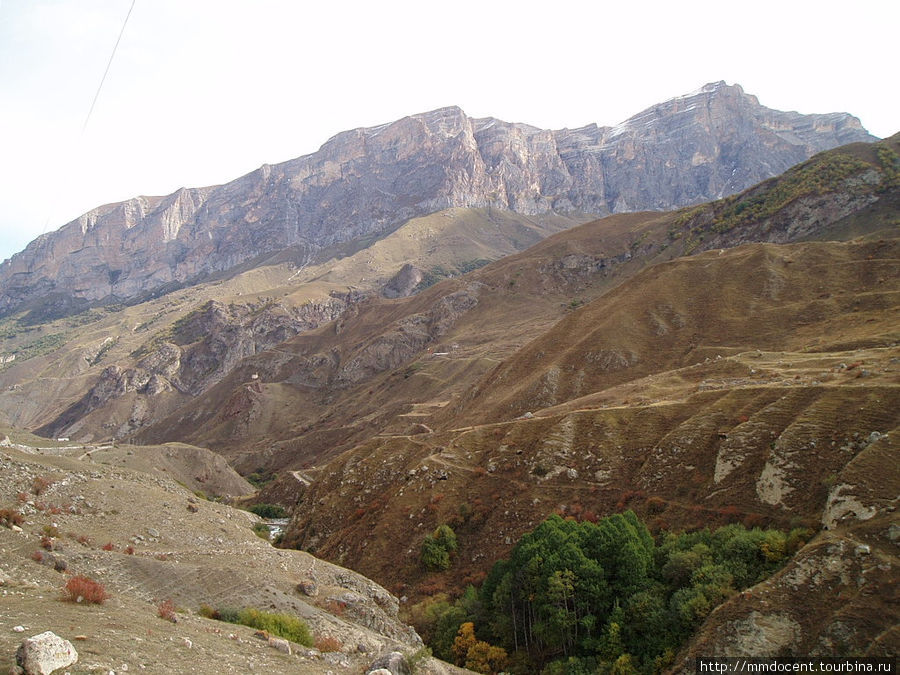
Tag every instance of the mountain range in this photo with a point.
(365, 182)
(448, 321)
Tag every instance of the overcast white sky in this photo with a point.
(203, 91)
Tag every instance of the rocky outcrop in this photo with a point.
(404, 283)
(202, 349)
(690, 149)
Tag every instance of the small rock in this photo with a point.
(863, 549)
(280, 644)
(308, 587)
(19, 629)
(153, 532)
(187, 643)
(44, 653)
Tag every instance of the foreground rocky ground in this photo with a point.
(147, 539)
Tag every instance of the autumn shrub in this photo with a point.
(656, 505)
(83, 589)
(474, 578)
(208, 612)
(433, 585)
(166, 610)
(129, 550)
(40, 484)
(109, 546)
(752, 520)
(730, 513)
(326, 643)
(10, 517)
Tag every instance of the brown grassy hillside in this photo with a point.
(796, 298)
(781, 409)
(388, 359)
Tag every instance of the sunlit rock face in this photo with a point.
(707, 144)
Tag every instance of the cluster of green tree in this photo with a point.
(579, 597)
(437, 548)
(268, 510)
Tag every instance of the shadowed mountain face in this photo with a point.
(365, 182)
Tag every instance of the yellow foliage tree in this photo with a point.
(465, 640)
(477, 655)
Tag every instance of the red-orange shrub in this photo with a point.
(166, 610)
(656, 505)
(83, 589)
(10, 517)
(40, 484)
(326, 643)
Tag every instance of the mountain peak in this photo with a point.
(721, 84)
(364, 182)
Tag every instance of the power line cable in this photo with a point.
(108, 65)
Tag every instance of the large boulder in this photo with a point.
(45, 653)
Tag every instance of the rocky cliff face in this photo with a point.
(707, 144)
